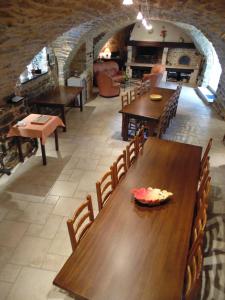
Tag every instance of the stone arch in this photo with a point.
(27, 26)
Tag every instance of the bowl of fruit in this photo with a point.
(151, 196)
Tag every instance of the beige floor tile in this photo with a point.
(87, 164)
(50, 228)
(35, 213)
(53, 262)
(51, 199)
(32, 284)
(11, 233)
(64, 189)
(5, 288)
(9, 273)
(5, 255)
(61, 245)
(66, 206)
(30, 251)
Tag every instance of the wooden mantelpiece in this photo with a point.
(161, 44)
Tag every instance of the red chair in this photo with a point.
(107, 86)
(155, 76)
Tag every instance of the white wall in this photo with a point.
(174, 33)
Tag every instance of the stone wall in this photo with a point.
(79, 61)
(175, 54)
(27, 26)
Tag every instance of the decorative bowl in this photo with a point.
(155, 97)
(151, 196)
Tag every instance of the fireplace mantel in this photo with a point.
(181, 67)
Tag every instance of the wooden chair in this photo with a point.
(131, 151)
(105, 187)
(140, 139)
(177, 96)
(203, 191)
(132, 95)
(194, 270)
(124, 100)
(120, 167)
(206, 153)
(80, 218)
(147, 85)
(199, 223)
(137, 91)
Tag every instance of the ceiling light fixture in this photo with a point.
(143, 13)
(127, 2)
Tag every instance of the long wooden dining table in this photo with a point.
(145, 109)
(133, 252)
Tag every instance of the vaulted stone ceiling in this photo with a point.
(28, 25)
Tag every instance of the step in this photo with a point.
(206, 94)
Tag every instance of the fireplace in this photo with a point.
(151, 55)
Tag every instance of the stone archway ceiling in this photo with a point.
(28, 25)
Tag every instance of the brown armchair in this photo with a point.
(155, 76)
(107, 86)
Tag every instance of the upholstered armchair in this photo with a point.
(155, 76)
(107, 86)
(111, 68)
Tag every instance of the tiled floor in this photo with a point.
(36, 200)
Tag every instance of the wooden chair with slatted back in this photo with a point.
(199, 223)
(132, 95)
(124, 100)
(82, 221)
(120, 167)
(163, 123)
(147, 85)
(131, 151)
(194, 270)
(105, 187)
(204, 168)
(206, 153)
(177, 96)
(137, 91)
(203, 191)
(140, 139)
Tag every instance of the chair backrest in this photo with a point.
(120, 167)
(105, 187)
(199, 223)
(131, 150)
(205, 166)
(203, 191)
(206, 153)
(147, 85)
(163, 122)
(140, 139)
(124, 100)
(82, 220)
(158, 68)
(132, 95)
(193, 270)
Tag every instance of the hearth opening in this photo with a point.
(152, 55)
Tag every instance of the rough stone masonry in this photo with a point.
(26, 26)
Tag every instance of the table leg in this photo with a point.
(63, 116)
(43, 153)
(56, 140)
(125, 121)
(18, 142)
(81, 102)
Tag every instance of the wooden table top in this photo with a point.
(61, 95)
(136, 253)
(147, 108)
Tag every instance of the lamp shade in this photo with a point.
(139, 16)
